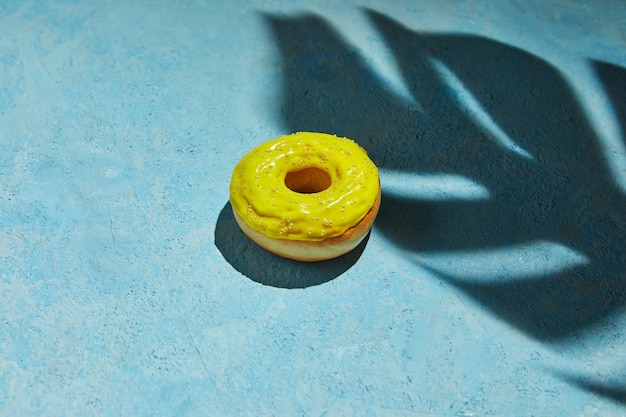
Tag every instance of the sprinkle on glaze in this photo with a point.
(259, 195)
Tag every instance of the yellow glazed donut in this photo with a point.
(306, 196)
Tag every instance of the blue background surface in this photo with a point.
(494, 279)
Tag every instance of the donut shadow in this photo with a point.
(268, 269)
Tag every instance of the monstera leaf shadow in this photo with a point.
(614, 79)
(614, 390)
(491, 113)
(268, 269)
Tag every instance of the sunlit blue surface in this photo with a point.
(432, 186)
(532, 260)
(493, 280)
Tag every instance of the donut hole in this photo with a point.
(308, 180)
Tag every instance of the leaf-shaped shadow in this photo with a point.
(486, 111)
(612, 390)
(613, 77)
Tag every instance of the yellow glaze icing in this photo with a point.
(259, 195)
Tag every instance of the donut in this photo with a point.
(306, 196)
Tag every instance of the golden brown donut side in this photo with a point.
(318, 250)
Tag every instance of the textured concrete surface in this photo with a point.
(493, 282)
